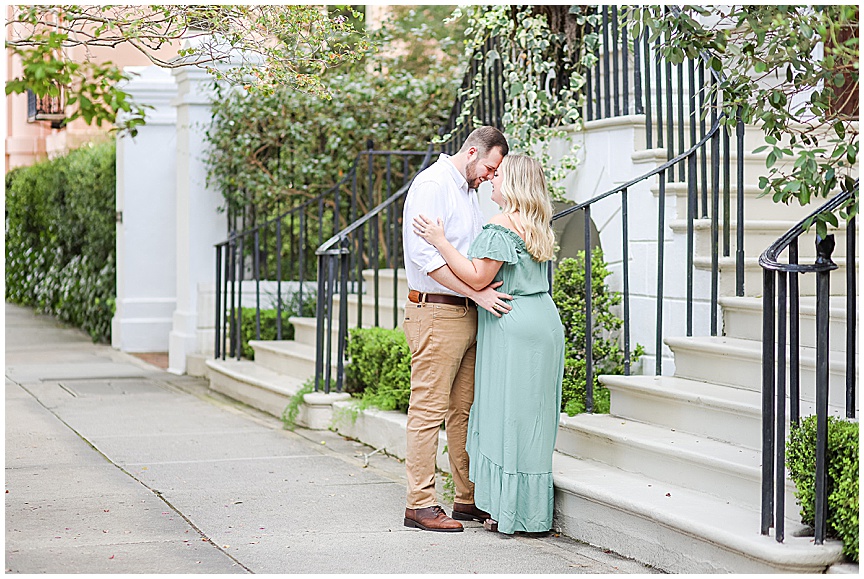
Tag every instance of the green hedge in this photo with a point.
(843, 489)
(380, 368)
(60, 238)
(290, 308)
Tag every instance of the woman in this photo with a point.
(520, 356)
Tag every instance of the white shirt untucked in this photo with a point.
(439, 191)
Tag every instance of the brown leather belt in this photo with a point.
(416, 297)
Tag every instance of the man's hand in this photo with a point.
(492, 301)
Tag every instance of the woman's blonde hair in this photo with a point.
(523, 188)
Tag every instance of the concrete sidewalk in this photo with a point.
(115, 466)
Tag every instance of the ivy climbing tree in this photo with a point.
(544, 51)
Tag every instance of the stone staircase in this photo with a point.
(672, 476)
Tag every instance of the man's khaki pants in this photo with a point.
(443, 343)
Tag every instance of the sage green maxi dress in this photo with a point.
(517, 390)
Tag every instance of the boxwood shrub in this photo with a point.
(843, 481)
(379, 372)
(60, 238)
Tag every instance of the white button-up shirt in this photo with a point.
(438, 191)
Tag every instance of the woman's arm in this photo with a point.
(477, 273)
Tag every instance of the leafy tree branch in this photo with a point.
(269, 47)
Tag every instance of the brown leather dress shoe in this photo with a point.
(469, 513)
(431, 519)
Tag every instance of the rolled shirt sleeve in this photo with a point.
(439, 192)
(424, 199)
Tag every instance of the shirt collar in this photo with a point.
(458, 178)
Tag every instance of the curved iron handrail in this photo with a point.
(768, 258)
(781, 280)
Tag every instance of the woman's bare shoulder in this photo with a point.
(500, 219)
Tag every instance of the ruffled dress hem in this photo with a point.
(531, 493)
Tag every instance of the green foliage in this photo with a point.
(380, 368)
(60, 238)
(539, 47)
(568, 292)
(281, 46)
(292, 410)
(272, 151)
(448, 493)
(793, 70)
(269, 331)
(843, 477)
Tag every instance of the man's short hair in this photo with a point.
(485, 139)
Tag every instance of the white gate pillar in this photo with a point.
(146, 202)
(199, 224)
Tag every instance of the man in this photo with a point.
(441, 326)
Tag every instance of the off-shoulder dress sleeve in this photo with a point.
(496, 242)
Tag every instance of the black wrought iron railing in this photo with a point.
(273, 266)
(781, 326)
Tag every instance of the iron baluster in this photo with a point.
(780, 419)
(739, 230)
(616, 95)
(649, 124)
(681, 146)
(626, 275)
(767, 399)
(658, 71)
(851, 317)
(279, 281)
(637, 78)
(241, 267)
(715, 210)
(589, 328)
(704, 151)
(669, 120)
(257, 272)
(661, 218)
(727, 185)
(794, 338)
(319, 327)
(824, 248)
(218, 325)
(343, 313)
(328, 336)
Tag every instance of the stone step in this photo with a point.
(754, 167)
(674, 528)
(738, 363)
(753, 276)
(253, 384)
(732, 473)
(756, 208)
(385, 310)
(306, 331)
(385, 283)
(288, 358)
(719, 412)
(758, 236)
(742, 318)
